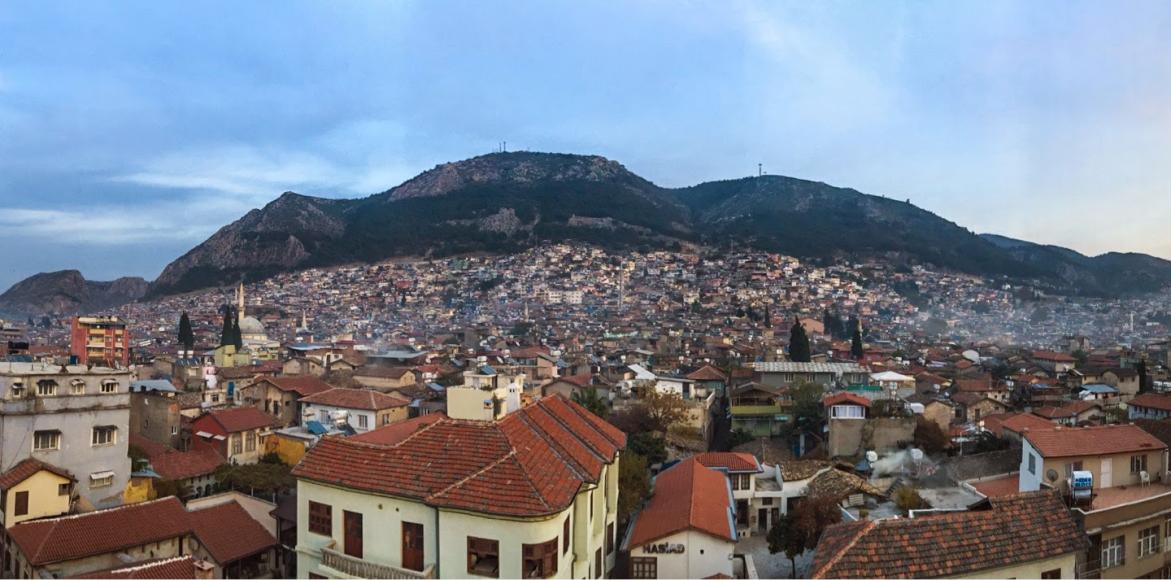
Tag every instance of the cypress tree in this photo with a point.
(799, 350)
(186, 335)
(237, 337)
(226, 331)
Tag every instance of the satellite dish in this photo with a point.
(871, 456)
(1051, 475)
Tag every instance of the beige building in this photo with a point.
(1126, 518)
(531, 494)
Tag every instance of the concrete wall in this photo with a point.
(851, 437)
(704, 556)
(1066, 563)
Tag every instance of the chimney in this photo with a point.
(204, 570)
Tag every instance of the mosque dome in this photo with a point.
(250, 326)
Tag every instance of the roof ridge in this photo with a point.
(511, 454)
(412, 435)
(870, 524)
(558, 448)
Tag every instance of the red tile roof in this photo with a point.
(395, 432)
(72, 537)
(26, 469)
(302, 385)
(364, 399)
(1072, 409)
(581, 380)
(1017, 529)
(179, 567)
(688, 496)
(846, 399)
(233, 420)
(731, 461)
(1098, 440)
(180, 465)
(1048, 355)
(707, 373)
(1015, 422)
(1000, 486)
(531, 462)
(1152, 401)
(229, 533)
(148, 446)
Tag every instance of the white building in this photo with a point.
(687, 529)
(533, 494)
(72, 417)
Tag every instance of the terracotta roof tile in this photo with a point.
(1018, 528)
(846, 399)
(396, 432)
(365, 399)
(71, 537)
(531, 462)
(731, 461)
(1097, 440)
(26, 469)
(1152, 401)
(233, 420)
(179, 567)
(229, 533)
(707, 373)
(304, 385)
(179, 465)
(688, 496)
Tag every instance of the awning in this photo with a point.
(101, 475)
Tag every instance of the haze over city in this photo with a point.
(130, 132)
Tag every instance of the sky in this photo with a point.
(131, 131)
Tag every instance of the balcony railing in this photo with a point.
(357, 567)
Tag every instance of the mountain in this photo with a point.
(506, 202)
(68, 292)
(1109, 274)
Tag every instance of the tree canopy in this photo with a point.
(186, 335)
(799, 349)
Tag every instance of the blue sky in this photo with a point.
(129, 132)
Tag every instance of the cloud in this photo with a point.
(103, 226)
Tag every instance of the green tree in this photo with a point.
(807, 409)
(784, 537)
(662, 409)
(1143, 381)
(907, 499)
(930, 437)
(634, 485)
(226, 331)
(186, 335)
(265, 477)
(592, 401)
(799, 350)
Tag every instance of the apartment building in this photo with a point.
(72, 417)
(99, 340)
(530, 494)
(1126, 518)
(361, 409)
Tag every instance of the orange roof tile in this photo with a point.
(302, 385)
(26, 469)
(846, 399)
(1018, 528)
(1152, 401)
(531, 462)
(72, 537)
(1097, 440)
(179, 567)
(688, 496)
(229, 533)
(233, 420)
(364, 399)
(730, 461)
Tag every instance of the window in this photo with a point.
(362, 422)
(47, 388)
(598, 563)
(21, 503)
(1032, 464)
(609, 539)
(591, 506)
(1138, 463)
(1053, 574)
(644, 567)
(565, 534)
(386, 419)
(101, 480)
(539, 560)
(1113, 552)
(250, 441)
(237, 444)
(741, 481)
(1148, 541)
(105, 435)
(320, 518)
(77, 387)
(766, 501)
(847, 412)
(483, 557)
(64, 489)
(46, 440)
(324, 417)
(109, 386)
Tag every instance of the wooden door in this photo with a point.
(413, 546)
(1107, 472)
(353, 534)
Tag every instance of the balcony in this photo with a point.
(359, 568)
(758, 410)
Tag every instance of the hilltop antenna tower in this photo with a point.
(759, 169)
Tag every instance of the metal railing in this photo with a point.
(360, 568)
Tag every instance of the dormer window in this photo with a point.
(77, 387)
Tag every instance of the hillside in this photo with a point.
(68, 292)
(1108, 274)
(506, 202)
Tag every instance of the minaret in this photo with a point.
(240, 303)
(304, 321)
